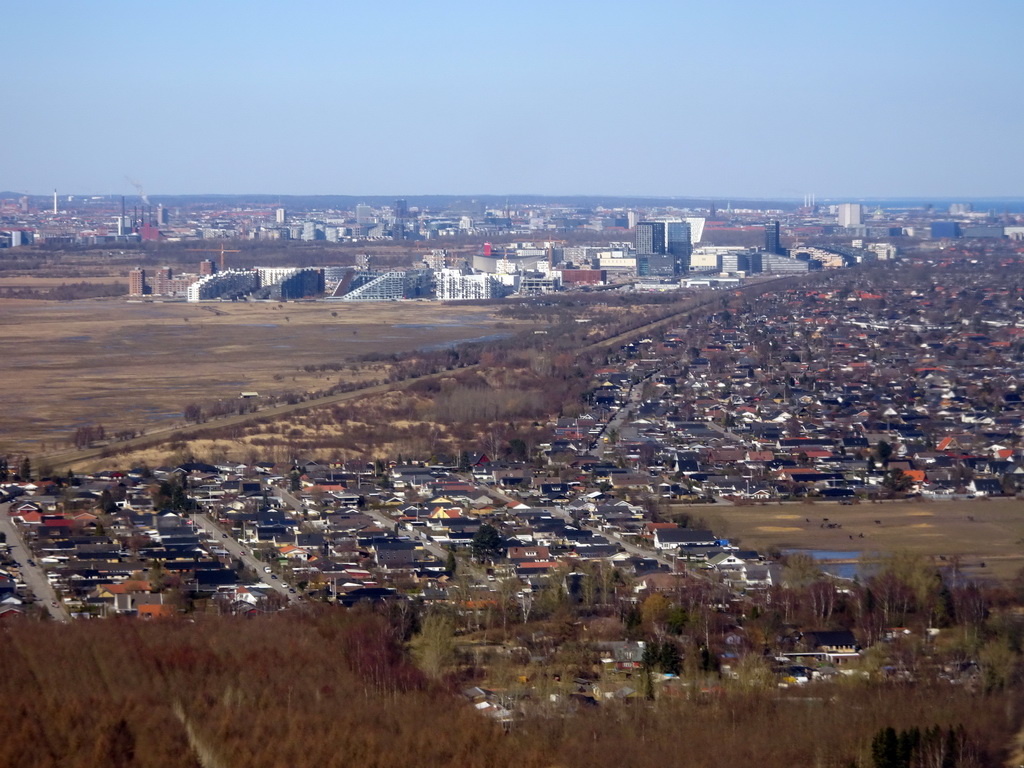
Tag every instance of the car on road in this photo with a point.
(273, 575)
(223, 535)
(266, 569)
(32, 563)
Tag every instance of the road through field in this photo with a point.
(70, 458)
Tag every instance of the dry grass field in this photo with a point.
(989, 531)
(47, 283)
(137, 365)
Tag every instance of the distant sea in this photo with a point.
(995, 204)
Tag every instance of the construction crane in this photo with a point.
(221, 251)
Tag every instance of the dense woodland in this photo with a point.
(333, 688)
(380, 685)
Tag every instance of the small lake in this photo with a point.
(832, 562)
(826, 554)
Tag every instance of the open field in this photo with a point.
(47, 283)
(137, 365)
(976, 531)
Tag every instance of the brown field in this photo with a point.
(137, 365)
(46, 283)
(995, 535)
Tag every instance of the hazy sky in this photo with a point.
(742, 99)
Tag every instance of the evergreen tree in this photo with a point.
(885, 749)
(488, 543)
(884, 450)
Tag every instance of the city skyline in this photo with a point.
(759, 102)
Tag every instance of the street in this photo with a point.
(34, 576)
(382, 520)
(238, 550)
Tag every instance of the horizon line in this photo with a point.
(593, 196)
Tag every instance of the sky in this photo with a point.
(745, 99)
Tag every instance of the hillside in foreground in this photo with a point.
(334, 688)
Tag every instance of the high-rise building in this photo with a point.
(364, 214)
(851, 215)
(663, 247)
(650, 248)
(401, 214)
(206, 267)
(679, 245)
(650, 238)
(137, 282)
(773, 238)
(279, 215)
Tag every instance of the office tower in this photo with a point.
(663, 248)
(679, 245)
(364, 214)
(851, 215)
(945, 230)
(650, 248)
(734, 261)
(279, 216)
(650, 238)
(773, 238)
(401, 214)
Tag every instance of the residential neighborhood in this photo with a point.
(833, 395)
